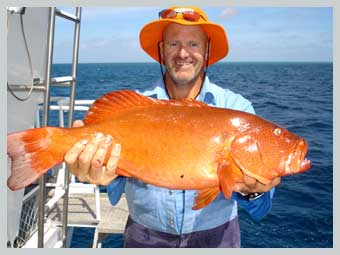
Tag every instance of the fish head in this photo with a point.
(268, 151)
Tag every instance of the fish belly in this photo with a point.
(173, 149)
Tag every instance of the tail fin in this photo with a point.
(32, 154)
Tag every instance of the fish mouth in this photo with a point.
(302, 163)
(297, 161)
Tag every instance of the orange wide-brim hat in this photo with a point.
(152, 33)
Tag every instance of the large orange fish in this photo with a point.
(176, 144)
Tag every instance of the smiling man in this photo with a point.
(185, 43)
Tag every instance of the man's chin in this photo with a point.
(182, 81)
(183, 78)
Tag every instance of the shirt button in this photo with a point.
(170, 192)
(171, 222)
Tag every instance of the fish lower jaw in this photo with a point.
(298, 166)
(305, 165)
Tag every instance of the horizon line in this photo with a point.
(222, 62)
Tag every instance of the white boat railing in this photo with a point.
(61, 106)
(31, 220)
(28, 226)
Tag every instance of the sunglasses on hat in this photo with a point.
(186, 15)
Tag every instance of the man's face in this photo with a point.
(183, 50)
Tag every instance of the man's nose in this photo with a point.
(183, 52)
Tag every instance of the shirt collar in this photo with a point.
(206, 88)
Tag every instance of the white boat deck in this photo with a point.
(82, 213)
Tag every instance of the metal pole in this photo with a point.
(70, 116)
(41, 211)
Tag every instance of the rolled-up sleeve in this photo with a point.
(257, 208)
(115, 189)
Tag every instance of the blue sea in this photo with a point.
(297, 96)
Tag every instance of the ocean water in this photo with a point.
(297, 96)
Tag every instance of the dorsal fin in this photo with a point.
(118, 101)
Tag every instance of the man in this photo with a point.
(186, 43)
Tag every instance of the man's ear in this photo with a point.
(161, 51)
(207, 52)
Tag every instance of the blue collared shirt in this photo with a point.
(171, 211)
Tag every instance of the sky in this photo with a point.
(111, 34)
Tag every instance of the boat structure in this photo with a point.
(44, 214)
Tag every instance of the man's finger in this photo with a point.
(96, 170)
(113, 160)
(239, 187)
(72, 154)
(78, 123)
(249, 181)
(275, 182)
(86, 156)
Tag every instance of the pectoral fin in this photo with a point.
(205, 197)
(228, 174)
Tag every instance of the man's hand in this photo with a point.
(85, 159)
(251, 185)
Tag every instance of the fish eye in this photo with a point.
(277, 131)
